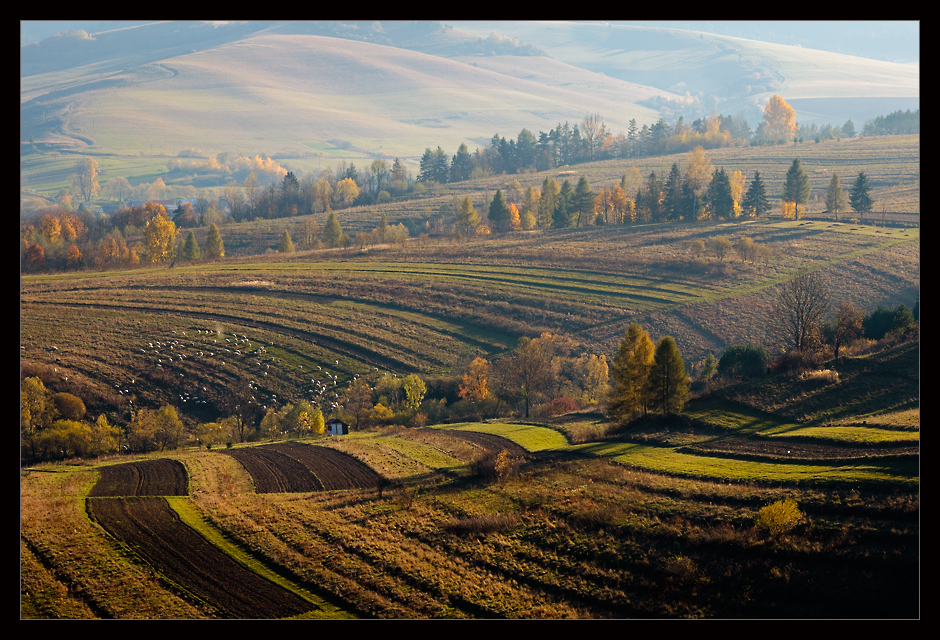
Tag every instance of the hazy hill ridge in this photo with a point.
(394, 88)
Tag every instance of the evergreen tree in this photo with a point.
(719, 195)
(563, 216)
(461, 164)
(499, 212)
(583, 201)
(467, 216)
(756, 202)
(332, 232)
(629, 374)
(214, 246)
(425, 166)
(796, 188)
(859, 197)
(190, 248)
(673, 195)
(548, 202)
(668, 381)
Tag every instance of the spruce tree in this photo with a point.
(190, 248)
(835, 196)
(583, 200)
(755, 200)
(286, 245)
(859, 196)
(499, 211)
(332, 232)
(796, 188)
(629, 375)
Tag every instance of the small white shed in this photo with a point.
(336, 427)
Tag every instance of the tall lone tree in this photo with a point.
(779, 120)
(668, 381)
(499, 211)
(796, 188)
(835, 196)
(214, 246)
(859, 196)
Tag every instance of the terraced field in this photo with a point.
(304, 325)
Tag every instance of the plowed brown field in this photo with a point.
(486, 441)
(161, 477)
(149, 527)
(334, 469)
(275, 472)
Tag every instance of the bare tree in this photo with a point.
(799, 309)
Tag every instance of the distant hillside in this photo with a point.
(329, 88)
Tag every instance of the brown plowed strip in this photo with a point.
(161, 477)
(335, 469)
(154, 531)
(274, 472)
(486, 441)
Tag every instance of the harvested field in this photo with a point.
(149, 527)
(334, 469)
(486, 441)
(275, 472)
(796, 450)
(161, 477)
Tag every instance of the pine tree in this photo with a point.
(719, 195)
(796, 188)
(859, 196)
(548, 202)
(562, 216)
(467, 216)
(756, 202)
(214, 246)
(629, 375)
(672, 194)
(668, 381)
(332, 232)
(583, 201)
(190, 248)
(499, 212)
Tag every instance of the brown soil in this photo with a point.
(334, 469)
(800, 450)
(275, 472)
(149, 527)
(486, 441)
(161, 477)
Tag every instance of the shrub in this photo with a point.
(743, 360)
(779, 518)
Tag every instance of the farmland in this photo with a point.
(564, 517)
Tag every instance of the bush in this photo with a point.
(883, 321)
(743, 360)
(779, 518)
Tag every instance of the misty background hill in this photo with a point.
(395, 88)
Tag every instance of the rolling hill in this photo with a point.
(393, 89)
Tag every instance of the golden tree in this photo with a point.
(779, 120)
(159, 236)
(475, 382)
(630, 372)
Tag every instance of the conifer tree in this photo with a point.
(796, 188)
(286, 245)
(860, 197)
(332, 232)
(190, 248)
(583, 201)
(629, 374)
(835, 196)
(668, 381)
(756, 202)
(499, 211)
(214, 246)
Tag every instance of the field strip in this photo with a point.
(192, 517)
(667, 460)
(529, 436)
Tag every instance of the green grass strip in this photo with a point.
(529, 436)
(192, 517)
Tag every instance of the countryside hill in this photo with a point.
(393, 89)
(178, 457)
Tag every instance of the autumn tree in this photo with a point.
(214, 246)
(85, 179)
(286, 245)
(835, 196)
(629, 375)
(159, 237)
(798, 310)
(847, 326)
(346, 192)
(467, 216)
(474, 385)
(779, 123)
(415, 389)
(668, 380)
(528, 372)
(720, 246)
(357, 401)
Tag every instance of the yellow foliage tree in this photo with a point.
(475, 382)
(779, 120)
(515, 222)
(159, 239)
